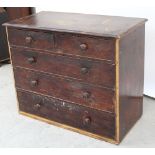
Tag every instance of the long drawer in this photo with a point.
(65, 89)
(77, 116)
(97, 72)
(64, 43)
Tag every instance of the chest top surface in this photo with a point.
(98, 25)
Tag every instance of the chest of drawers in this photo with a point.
(80, 72)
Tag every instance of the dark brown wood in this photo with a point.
(64, 43)
(66, 89)
(84, 71)
(4, 54)
(97, 25)
(87, 119)
(87, 46)
(131, 78)
(96, 72)
(18, 12)
(31, 39)
(6, 14)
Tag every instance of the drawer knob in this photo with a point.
(86, 95)
(86, 120)
(28, 40)
(37, 106)
(83, 46)
(31, 60)
(34, 83)
(84, 70)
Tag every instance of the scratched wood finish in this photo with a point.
(101, 123)
(66, 89)
(50, 49)
(96, 72)
(64, 43)
(96, 47)
(31, 39)
(131, 78)
(97, 25)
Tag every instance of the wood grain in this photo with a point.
(67, 113)
(39, 40)
(97, 25)
(66, 89)
(131, 78)
(100, 73)
(96, 47)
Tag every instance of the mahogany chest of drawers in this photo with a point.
(79, 71)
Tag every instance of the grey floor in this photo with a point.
(20, 131)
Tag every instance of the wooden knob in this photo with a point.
(34, 83)
(84, 70)
(86, 120)
(83, 46)
(86, 95)
(37, 106)
(28, 40)
(31, 60)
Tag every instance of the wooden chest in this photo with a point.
(80, 72)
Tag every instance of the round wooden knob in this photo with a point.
(37, 106)
(86, 95)
(84, 70)
(34, 83)
(28, 40)
(83, 46)
(31, 60)
(86, 120)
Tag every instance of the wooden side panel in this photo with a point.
(131, 78)
(94, 121)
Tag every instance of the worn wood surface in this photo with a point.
(64, 43)
(100, 25)
(31, 39)
(100, 73)
(100, 123)
(87, 67)
(66, 89)
(131, 78)
(96, 47)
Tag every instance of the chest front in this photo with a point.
(79, 81)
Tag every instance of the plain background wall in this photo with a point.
(131, 8)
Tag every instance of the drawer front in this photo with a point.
(31, 39)
(96, 72)
(84, 118)
(66, 89)
(86, 46)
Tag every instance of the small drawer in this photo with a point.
(66, 89)
(94, 121)
(86, 46)
(96, 72)
(31, 39)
